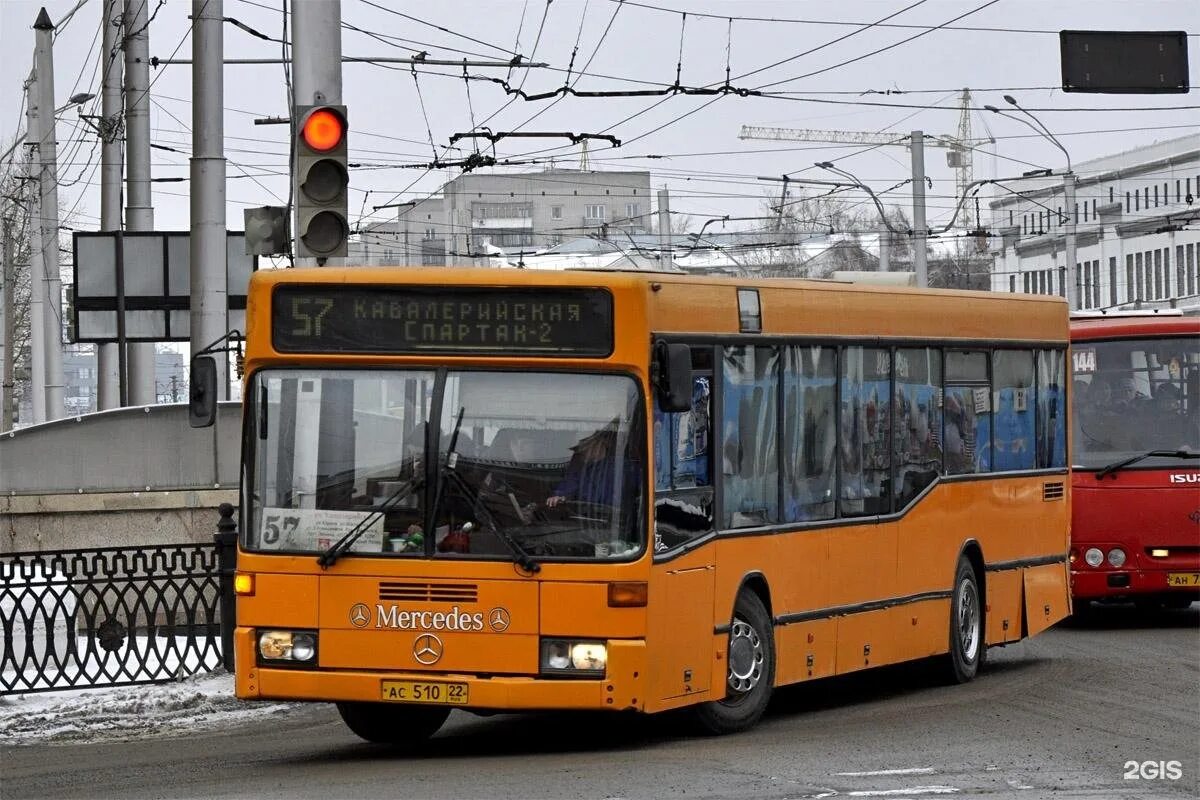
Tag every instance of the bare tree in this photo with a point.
(16, 194)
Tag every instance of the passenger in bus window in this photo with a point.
(591, 475)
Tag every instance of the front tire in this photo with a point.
(968, 650)
(751, 674)
(385, 723)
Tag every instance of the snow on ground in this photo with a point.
(202, 702)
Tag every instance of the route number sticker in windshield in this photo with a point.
(316, 529)
(1085, 360)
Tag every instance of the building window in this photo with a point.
(595, 211)
(1110, 195)
(1010, 217)
(1137, 201)
(632, 211)
(1127, 209)
(1155, 198)
(1112, 280)
(1094, 215)
(430, 233)
(556, 212)
(1096, 283)
(1178, 195)
(1138, 274)
(1193, 270)
(1146, 191)
(1012, 283)
(1085, 210)
(1129, 277)
(1166, 194)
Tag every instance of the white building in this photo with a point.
(516, 212)
(1138, 230)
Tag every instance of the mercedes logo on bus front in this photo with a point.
(499, 619)
(360, 615)
(427, 649)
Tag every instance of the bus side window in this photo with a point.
(810, 432)
(749, 441)
(1015, 412)
(1051, 409)
(865, 431)
(918, 453)
(683, 505)
(967, 413)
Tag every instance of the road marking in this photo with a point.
(903, 792)
(874, 773)
(1016, 784)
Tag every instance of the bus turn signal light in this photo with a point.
(627, 595)
(323, 130)
(243, 584)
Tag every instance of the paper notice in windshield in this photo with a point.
(316, 529)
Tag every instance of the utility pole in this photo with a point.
(1072, 293)
(666, 255)
(920, 231)
(885, 248)
(6, 307)
(209, 268)
(109, 361)
(317, 62)
(48, 282)
(139, 211)
(37, 304)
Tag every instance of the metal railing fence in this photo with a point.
(108, 617)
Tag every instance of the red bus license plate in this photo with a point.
(1183, 579)
(455, 694)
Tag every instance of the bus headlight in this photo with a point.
(287, 645)
(568, 656)
(1116, 557)
(1094, 557)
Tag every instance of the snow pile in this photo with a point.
(126, 713)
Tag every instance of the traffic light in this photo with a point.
(322, 219)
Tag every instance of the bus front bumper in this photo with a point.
(1101, 584)
(623, 686)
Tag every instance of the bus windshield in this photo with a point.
(553, 462)
(1133, 396)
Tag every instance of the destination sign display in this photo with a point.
(441, 319)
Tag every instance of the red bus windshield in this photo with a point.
(1133, 396)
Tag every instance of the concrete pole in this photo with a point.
(51, 280)
(920, 231)
(209, 268)
(37, 300)
(108, 359)
(666, 255)
(885, 249)
(6, 310)
(139, 210)
(1072, 273)
(316, 69)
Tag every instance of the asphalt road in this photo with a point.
(1058, 716)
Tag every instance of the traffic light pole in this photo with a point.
(317, 70)
(139, 207)
(110, 358)
(209, 271)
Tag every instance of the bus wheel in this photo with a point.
(967, 647)
(384, 723)
(751, 675)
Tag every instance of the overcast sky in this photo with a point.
(632, 45)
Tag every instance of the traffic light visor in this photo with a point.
(323, 130)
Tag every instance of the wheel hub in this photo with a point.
(968, 619)
(746, 657)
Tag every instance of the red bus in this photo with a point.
(1136, 456)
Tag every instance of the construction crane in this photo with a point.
(958, 147)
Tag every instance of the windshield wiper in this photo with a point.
(335, 551)
(449, 473)
(1125, 462)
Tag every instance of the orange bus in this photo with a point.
(506, 490)
(1136, 455)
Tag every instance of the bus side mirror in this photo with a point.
(674, 368)
(202, 396)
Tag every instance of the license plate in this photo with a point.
(1183, 579)
(454, 694)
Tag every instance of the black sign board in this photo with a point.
(1124, 62)
(450, 320)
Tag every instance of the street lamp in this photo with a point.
(75, 100)
(1068, 192)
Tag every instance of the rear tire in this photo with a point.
(385, 723)
(1178, 603)
(751, 674)
(968, 650)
